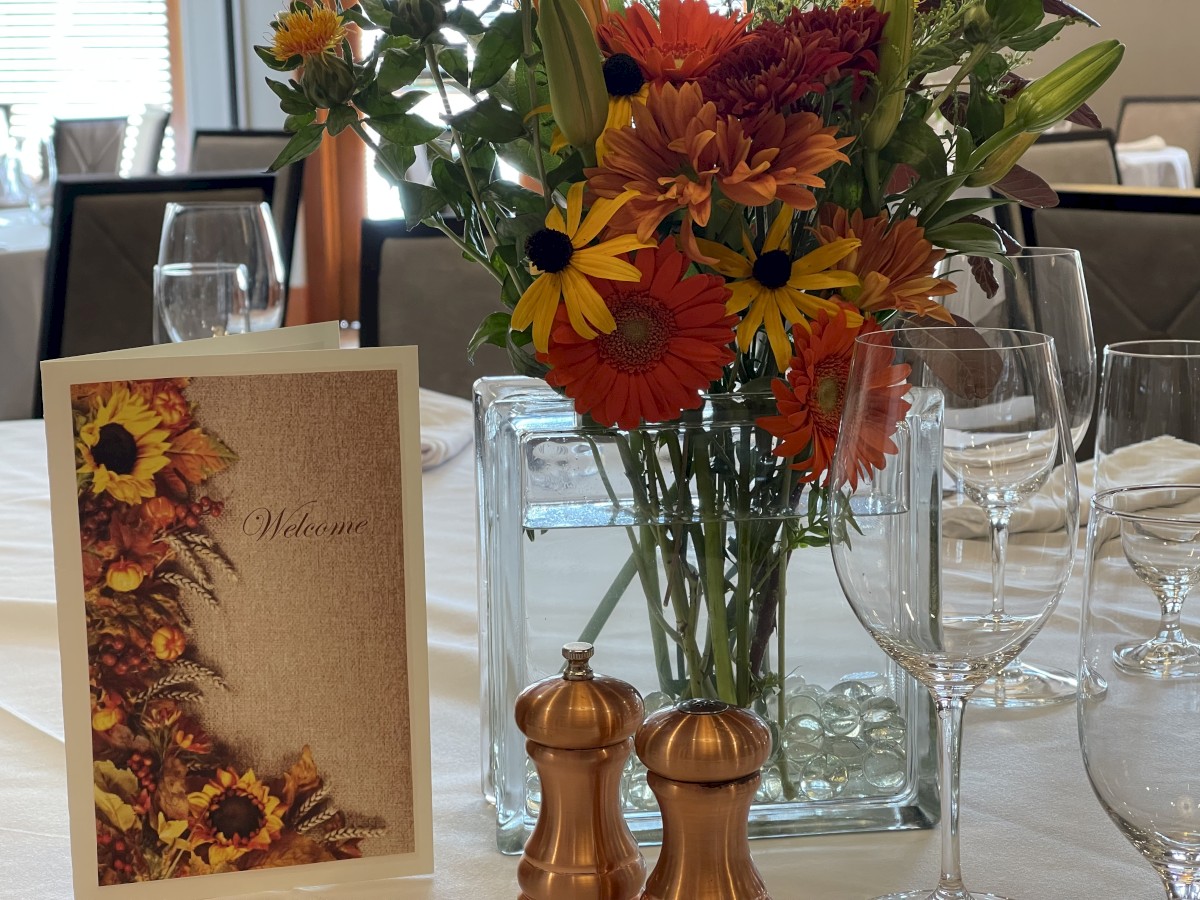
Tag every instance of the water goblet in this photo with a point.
(988, 401)
(1138, 747)
(1039, 289)
(196, 300)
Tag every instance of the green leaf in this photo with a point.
(295, 122)
(303, 142)
(492, 330)
(408, 129)
(340, 118)
(490, 121)
(400, 68)
(1038, 37)
(454, 62)
(393, 160)
(499, 49)
(966, 237)
(918, 145)
(1012, 17)
(464, 21)
(351, 14)
(452, 182)
(985, 112)
(376, 11)
(419, 201)
(288, 65)
(953, 210)
(375, 102)
(284, 91)
(513, 197)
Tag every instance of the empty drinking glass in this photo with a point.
(197, 300)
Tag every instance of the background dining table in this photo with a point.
(1032, 829)
(23, 243)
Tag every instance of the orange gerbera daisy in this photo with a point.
(671, 342)
(894, 263)
(812, 399)
(681, 45)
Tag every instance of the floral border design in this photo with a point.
(172, 800)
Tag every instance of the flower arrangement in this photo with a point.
(687, 207)
(171, 799)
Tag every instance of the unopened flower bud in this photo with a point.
(574, 71)
(420, 18)
(328, 81)
(894, 58)
(1054, 96)
(998, 164)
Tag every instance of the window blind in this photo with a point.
(75, 59)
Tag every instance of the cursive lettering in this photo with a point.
(301, 521)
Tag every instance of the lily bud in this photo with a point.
(1053, 97)
(574, 71)
(1002, 160)
(894, 57)
(328, 81)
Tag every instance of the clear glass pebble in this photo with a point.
(824, 777)
(879, 709)
(851, 751)
(840, 715)
(855, 690)
(770, 789)
(803, 730)
(803, 705)
(656, 700)
(885, 766)
(793, 682)
(638, 791)
(889, 731)
(533, 790)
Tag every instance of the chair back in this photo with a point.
(103, 248)
(1175, 119)
(89, 146)
(148, 142)
(1074, 157)
(254, 151)
(1136, 248)
(416, 288)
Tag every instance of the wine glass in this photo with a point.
(197, 300)
(1139, 748)
(1148, 430)
(228, 232)
(1039, 289)
(39, 174)
(986, 405)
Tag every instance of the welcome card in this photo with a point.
(241, 611)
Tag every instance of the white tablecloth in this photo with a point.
(1031, 828)
(1151, 166)
(23, 243)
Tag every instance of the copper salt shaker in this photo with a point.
(580, 733)
(703, 758)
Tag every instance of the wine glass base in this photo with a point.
(1020, 685)
(934, 895)
(1159, 658)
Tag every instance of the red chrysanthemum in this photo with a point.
(853, 30)
(812, 400)
(772, 73)
(672, 340)
(684, 42)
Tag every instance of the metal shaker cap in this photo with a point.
(704, 742)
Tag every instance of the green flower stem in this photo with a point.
(975, 58)
(608, 603)
(714, 575)
(743, 529)
(872, 183)
(436, 72)
(535, 130)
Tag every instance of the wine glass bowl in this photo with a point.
(961, 414)
(199, 300)
(1135, 731)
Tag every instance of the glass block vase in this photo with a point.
(698, 566)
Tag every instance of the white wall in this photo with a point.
(1161, 54)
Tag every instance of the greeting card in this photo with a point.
(241, 613)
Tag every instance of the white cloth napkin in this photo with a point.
(447, 425)
(1163, 459)
(1154, 142)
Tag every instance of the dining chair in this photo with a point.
(1175, 119)
(104, 241)
(1074, 157)
(416, 288)
(89, 146)
(148, 141)
(246, 151)
(1137, 249)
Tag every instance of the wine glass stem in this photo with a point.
(1170, 599)
(1180, 887)
(998, 526)
(950, 715)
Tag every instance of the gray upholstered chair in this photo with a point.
(1175, 119)
(1074, 157)
(89, 146)
(103, 247)
(148, 141)
(254, 151)
(416, 288)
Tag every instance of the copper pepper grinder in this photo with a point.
(704, 758)
(580, 728)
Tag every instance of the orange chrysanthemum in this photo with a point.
(679, 147)
(894, 264)
(812, 399)
(681, 45)
(672, 340)
(307, 33)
